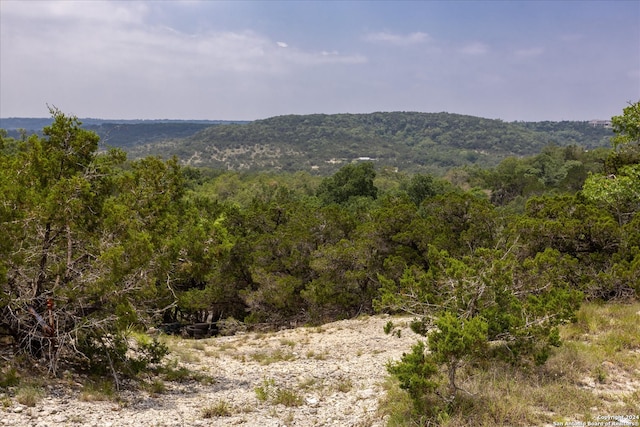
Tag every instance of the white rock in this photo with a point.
(312, 401)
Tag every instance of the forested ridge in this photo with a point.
(321, 143)
(414, 142)
(490, 261)
(118, 133)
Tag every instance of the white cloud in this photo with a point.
(114, 37)
(228, 60)
(87, 11)
(398, 39)
(475, 48)
(326, 57)
(109, 55)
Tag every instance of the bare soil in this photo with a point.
(310, 376)
(332, 375)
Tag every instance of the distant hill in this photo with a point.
(427, 142)
(120, 133)
(320, 143)
(37, 123)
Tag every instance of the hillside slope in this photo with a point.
(118, 133)
(320, 143)
(432, 142)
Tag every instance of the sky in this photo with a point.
(245, 60)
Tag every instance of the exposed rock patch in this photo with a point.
(317, 376)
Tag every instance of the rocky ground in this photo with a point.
(331, 375)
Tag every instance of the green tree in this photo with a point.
(280, 256)
(568, 224)
(346, 271)
(485, 300)
(66, 247)
(627, 126)
(421, 187)
(459, 222)
(618, 188)
(456, 339)
(511, 179)
(194, 259)
(353, 180)
(417, 374)
(619, 193)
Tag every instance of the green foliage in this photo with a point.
(562, 169)
(414, 283)
(287, 397)
(627, 125)
(484, 305)
(119, 245)
(268, 391)
(620, 193)
(421, 187)
(342, 279)
(264, 390)
(388, 327)
(459, 222)
(350, 181)
(110, 354)
(570, 225)
(413, 142)
(617, 189)
(506, 395)
(84, 246)
(9, 377)
(456, 339)
(418, 375)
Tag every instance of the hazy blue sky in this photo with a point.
(536, 60)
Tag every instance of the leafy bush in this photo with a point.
(417, 373)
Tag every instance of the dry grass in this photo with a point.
(288, 342)
(95, 391)
(396, 405)
(344, 385)
(197, 345)
(309, 383)
(323, 355)
(270, 392)
(29, 394)
(595, 373)
(154, 387)
(287, 397)
(217, 409)
(273, 356)
(185, 355)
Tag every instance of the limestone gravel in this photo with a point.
(309, 376)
